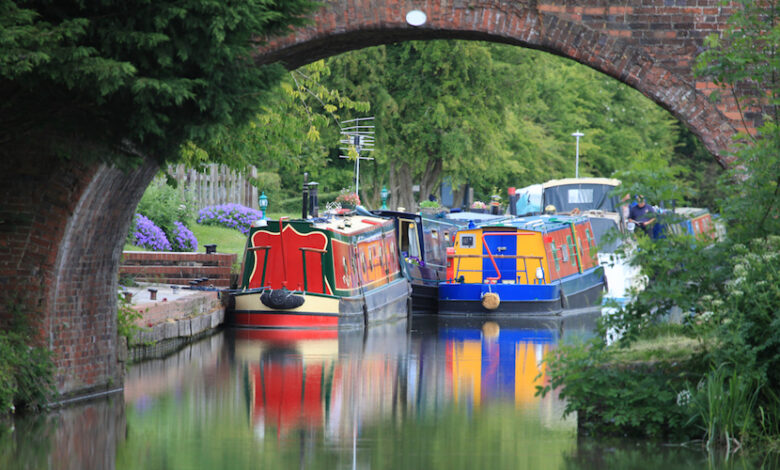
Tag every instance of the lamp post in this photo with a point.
(385, 193)
(262, 203)
(577, 136)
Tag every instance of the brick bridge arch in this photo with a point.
(62, 224)
(650, 45)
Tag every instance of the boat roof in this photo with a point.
(570, 181)
(538, 223)
(350, 224)
(476, 217)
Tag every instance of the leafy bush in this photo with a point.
(165, 205)
(148, 235)
(638, 400)
(126, 317)
(26, 371)
(183, 239)
(229, 215)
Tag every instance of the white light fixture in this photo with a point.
(416, 18)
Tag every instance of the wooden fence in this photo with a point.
(217, 185)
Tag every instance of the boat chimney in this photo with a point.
(304, 207)
(314, 199)
(512, 192)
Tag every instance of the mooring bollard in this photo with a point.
(211, 249)
(175, 289)
(152, 293)
(128, 296)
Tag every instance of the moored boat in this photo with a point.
(423, 243)
(335, 272)
(540, 265)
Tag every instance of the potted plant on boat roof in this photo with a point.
(430, 207)
(478, 206)
(348, 199)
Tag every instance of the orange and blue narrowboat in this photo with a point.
(335, 272)
(539, 265)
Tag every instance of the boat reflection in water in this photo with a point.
(319, 379)
(343, 381)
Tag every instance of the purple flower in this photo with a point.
(148, 235)
(183, 238)
(230, 216)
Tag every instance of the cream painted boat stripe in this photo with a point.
(251, 302)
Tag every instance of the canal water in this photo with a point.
(433, 394)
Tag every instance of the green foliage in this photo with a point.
(748, 314)
(287, 134)
(126, 317)
(728, 289)
(654, 176)
(752, 206)
(26, 368)
(638, 400)
(163, 204)
(724, 406)
(745, 55)
(136, 75)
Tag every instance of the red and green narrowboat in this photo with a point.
(540, 265)
(341, 271)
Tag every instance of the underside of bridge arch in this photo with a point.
(62, 226)
(651, 46)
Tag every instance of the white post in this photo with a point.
(577, 135)
(357, 175)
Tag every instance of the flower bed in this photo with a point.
(183, 238)
(150, 236)
(229, 215)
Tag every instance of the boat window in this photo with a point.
(555, 257)
(565, 253)
(467, 240)
(403, 236)
(580, 196)
(414, 242)
(434, 234)
(573, 248)
(447, 237)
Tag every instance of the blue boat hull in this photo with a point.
(573, 293)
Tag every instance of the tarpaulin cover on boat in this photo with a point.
(567, 195)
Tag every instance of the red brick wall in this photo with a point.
(648, 44)
(178, 268)
(62, 224)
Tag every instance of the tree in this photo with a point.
(137, 75)
(745, 62)
(494, 116)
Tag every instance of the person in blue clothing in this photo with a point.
(642, 214)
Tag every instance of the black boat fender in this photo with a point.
(564, 301)
(281, 299)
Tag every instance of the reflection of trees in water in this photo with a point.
(78, 436)
(592, 454)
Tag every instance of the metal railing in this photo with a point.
(493, 258)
